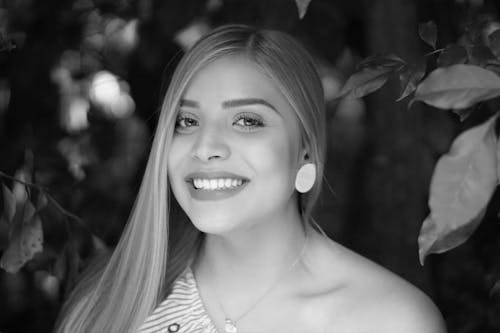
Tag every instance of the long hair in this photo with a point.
(118, 294)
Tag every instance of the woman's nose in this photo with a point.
(211, 144)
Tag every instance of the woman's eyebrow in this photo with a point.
(188, 103)
(232, 103)
(246, 101)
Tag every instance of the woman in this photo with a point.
(241, 145)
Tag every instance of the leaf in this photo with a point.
(494, 39)
(410, 77)
(458, 87)
(26, 239)
(302, 7)
(428, 33)
(453, 54)
(462, 184)
(371, 74)
(9, 204)
(18, 189)
(365, 82)
(382, 60)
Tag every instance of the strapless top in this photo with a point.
(182, 311)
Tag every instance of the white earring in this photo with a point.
(306, 176)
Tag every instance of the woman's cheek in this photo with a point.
(270, 153)
(176, 158)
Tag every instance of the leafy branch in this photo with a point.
(44, 192)
(21, 220)
(467, 74)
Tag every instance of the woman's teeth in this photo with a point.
(216, 184)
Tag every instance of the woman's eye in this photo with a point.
(248, 122)
(185, 122)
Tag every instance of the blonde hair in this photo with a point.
(117, 295)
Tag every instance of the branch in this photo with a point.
(49, 196)
(433, 52)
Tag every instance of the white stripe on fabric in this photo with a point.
(183, 310)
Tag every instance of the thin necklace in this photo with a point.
(230, 324)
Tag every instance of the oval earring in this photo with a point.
(306, 176)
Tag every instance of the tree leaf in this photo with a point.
(494, 39)
(410, 77)
(9, 204)
(453, 54)
(25, 240)
(18, 189)
(381, 60)
(462, 184)
(428, 33)
(458, 87)
(365, 82)
(371, 74)
(302, 7)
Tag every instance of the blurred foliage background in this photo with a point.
(80, 87)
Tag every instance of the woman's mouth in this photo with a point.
(217, 184)
(210, 186)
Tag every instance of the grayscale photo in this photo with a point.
(249, 166)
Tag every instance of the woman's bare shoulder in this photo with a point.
(364, 296)
(406, 310)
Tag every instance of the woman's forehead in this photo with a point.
(232, 76)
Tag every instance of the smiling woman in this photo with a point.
(241, 146)
(243, 131)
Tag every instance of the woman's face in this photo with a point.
(235, 150)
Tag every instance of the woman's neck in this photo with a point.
(253, 258)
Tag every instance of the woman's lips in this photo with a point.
(213, 195)
(214, 175)
(211, 186)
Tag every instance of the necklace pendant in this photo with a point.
(230, 327)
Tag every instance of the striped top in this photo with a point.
(182, 311)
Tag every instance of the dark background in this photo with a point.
(80, 87)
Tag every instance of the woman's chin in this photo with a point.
(214, 225)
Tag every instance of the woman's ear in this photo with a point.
(305, 156)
